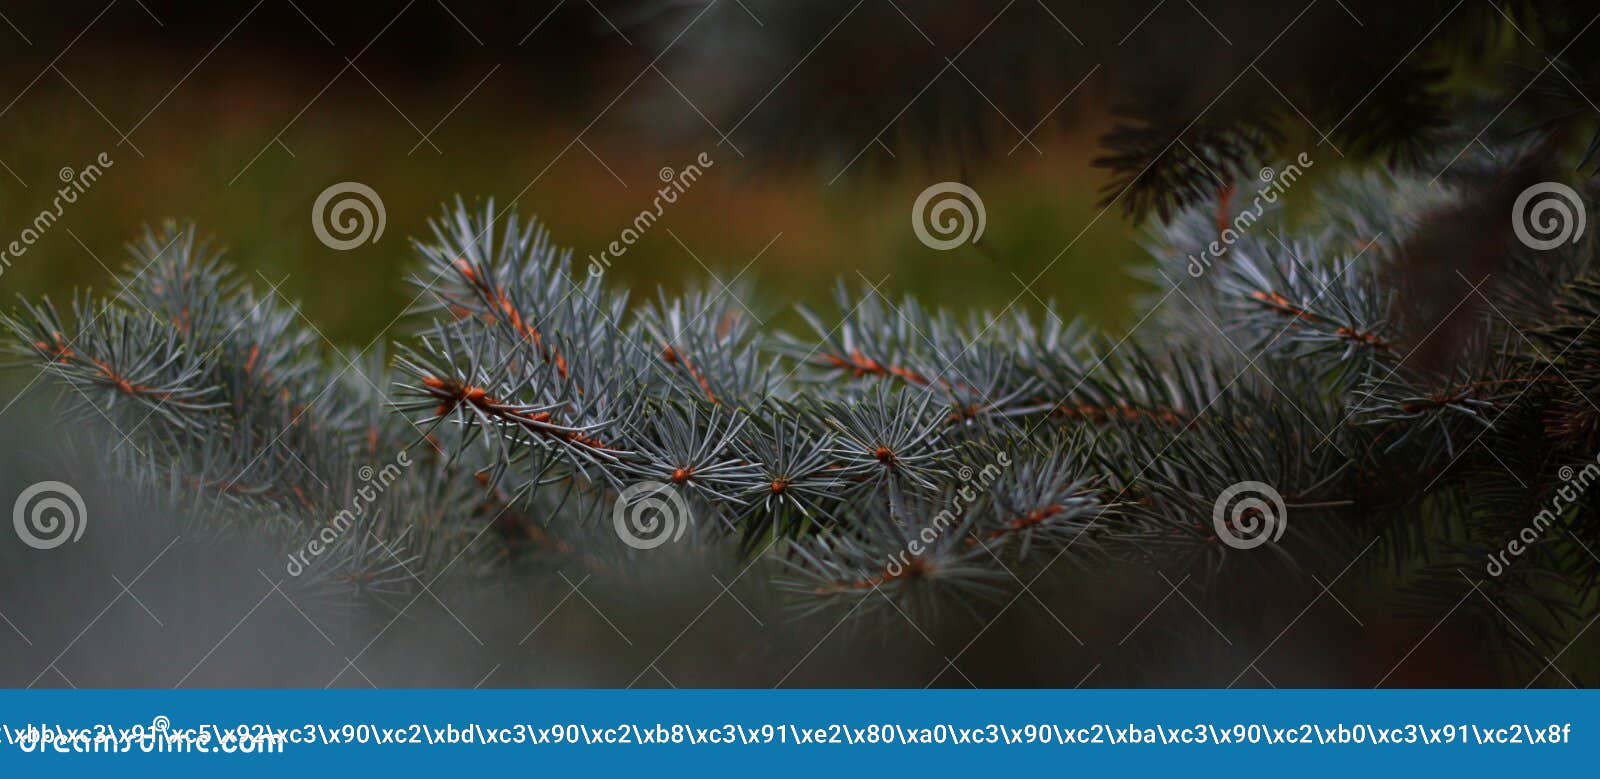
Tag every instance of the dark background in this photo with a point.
(235, 115)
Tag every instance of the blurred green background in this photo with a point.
(239, 128)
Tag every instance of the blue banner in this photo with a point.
(789, 732)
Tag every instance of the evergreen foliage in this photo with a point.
(933, 457)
